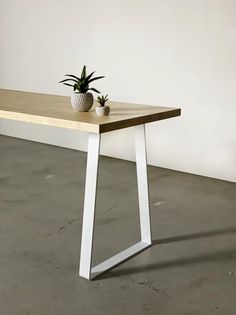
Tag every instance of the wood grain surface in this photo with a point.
(54, 110)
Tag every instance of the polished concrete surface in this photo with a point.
(189, 270)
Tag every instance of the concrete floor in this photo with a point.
(190, 269)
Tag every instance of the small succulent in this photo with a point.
(81, 85)
(102, 100)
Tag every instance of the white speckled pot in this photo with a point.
(82, 102)
(102, 110)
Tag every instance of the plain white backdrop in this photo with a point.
(156, 52)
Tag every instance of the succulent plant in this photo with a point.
(102, 100)
(81, 84)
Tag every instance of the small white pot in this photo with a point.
(82, 102)
(102, 110)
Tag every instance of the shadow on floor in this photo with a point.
(203, 234)
(220, 255)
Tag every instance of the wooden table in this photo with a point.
(52, 110)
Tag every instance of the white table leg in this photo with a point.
(142, 178)
(89, 206)
(86, 270)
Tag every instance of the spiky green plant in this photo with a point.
(81, 84)
(102, 100)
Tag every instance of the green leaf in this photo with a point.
(96, 78)
(83, 74)
(83, 81)
(95, 90)
(73, 76)
(90, 75)
(68, 84)
(66, 80)
(83, 90)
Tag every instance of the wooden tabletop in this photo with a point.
(54, 110)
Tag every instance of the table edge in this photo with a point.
(149, 118)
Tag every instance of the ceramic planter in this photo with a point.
(82, 102)
(102, 110)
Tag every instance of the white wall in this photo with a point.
(160, 52)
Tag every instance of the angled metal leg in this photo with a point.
(142, 177)
(89, 206)
(86, 270)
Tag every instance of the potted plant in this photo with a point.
(81, 99)
(102, 109)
